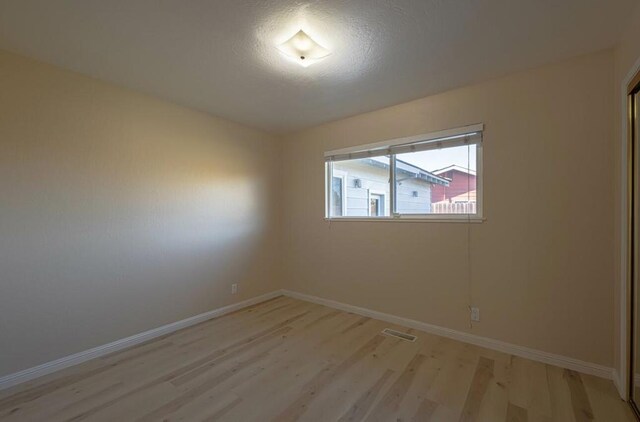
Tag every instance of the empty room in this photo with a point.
(364, 210)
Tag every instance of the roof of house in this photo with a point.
(454, 167)
(412, 170)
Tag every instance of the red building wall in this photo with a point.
(460, 182)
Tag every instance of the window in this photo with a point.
(338, 193)
(432, 176)
(355, 183)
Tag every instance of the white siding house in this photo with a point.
(360, 188)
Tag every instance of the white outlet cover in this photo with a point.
(475, 314)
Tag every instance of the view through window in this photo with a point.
(429, 179)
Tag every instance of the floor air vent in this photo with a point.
(399, 334)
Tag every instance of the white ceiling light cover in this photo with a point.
(302, 49)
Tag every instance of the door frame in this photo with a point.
(381, 193)
(631, 238)
(624, 379)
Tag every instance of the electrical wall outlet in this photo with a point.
(234, 288)
(475, 314)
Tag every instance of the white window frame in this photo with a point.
(341, 174)
(436, 136)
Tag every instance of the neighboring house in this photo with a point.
(464, 197)
(459, 197)
(360, 188)
(461, 181)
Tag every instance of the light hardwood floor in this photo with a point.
(286, 360)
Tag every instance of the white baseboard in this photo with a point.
(80, 357)
(622, 390)
(513, 349)
(616, 380)
(536, 355)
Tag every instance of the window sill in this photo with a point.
(475, 220)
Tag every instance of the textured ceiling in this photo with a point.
(219, 55)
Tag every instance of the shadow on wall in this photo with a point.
(121, 213)
(91, 261)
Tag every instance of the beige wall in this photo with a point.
(120, 213)
(626, 55)
(541, 264)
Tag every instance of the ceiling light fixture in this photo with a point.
(303, 50)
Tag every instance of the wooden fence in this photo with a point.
(453, 208)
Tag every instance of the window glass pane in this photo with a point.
(337, 189)
(439, 181)
(363, 190)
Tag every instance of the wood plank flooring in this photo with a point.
(289, 360)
